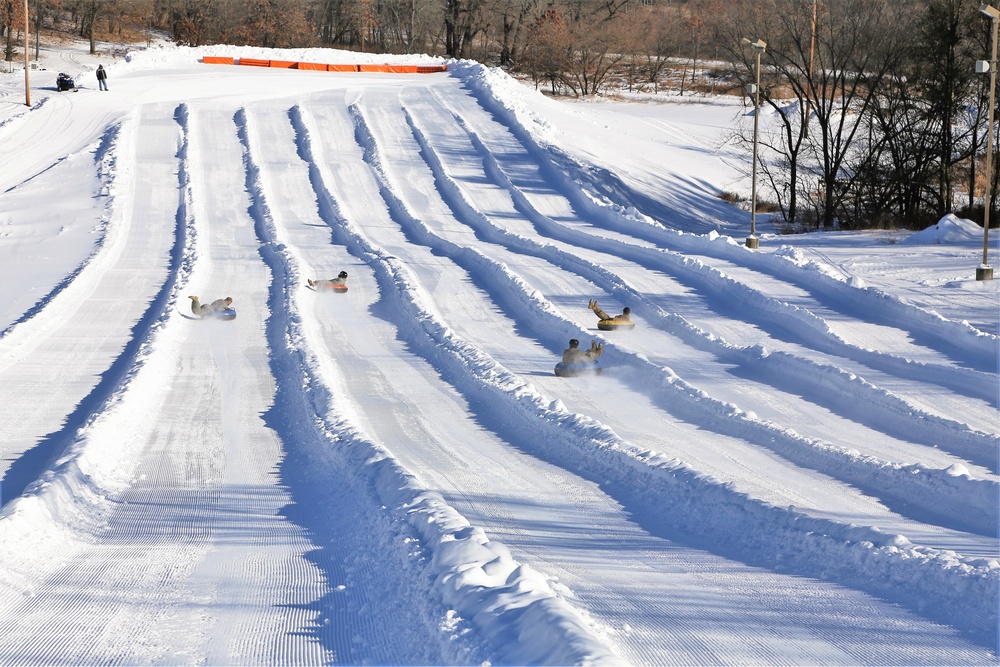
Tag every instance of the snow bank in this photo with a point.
(949, 229)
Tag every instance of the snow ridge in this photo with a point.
(818, 545)
(514, 606)
(938, 493)
(573, 176)
(68, 502)
(947, 433)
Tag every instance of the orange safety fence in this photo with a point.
(321, 67)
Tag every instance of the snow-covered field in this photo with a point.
(792, 459)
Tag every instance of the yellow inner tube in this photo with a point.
(611, 325)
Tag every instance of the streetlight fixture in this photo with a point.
(758, 46)
(984, 271)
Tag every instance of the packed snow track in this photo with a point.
(782, 463)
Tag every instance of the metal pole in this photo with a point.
(812, 51)
(984, 271)
(752, 241)
(27, 57)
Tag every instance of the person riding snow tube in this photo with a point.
(220, 309)
(607, 322)
(338, 284)
(579, 362)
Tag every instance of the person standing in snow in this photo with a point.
(102, 78)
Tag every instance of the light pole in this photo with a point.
(758, 46)
(983, 271)
(27, 58)
(812, 53)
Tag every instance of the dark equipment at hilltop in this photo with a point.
(64, 82)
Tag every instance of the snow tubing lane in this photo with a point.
(573, 370)
(612, 325)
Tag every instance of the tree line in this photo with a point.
(880, 114)
(877, 114)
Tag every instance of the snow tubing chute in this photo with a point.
(614, 325)
(572, 370)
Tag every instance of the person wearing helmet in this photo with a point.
(339, 281)
(573, 355)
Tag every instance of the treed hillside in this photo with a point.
(880, 119)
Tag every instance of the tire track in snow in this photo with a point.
(645, 479)
(945, 495)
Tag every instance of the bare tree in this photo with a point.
(11, 20)
(511, 16)
(463, 20)
(657, 40)
(943, 68)
(547, 49)
(833, 66)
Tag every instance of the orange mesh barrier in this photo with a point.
(320, 67)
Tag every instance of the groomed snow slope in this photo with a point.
(792, 459)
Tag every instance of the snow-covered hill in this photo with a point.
(792, 459)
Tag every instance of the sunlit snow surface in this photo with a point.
(792, 459)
